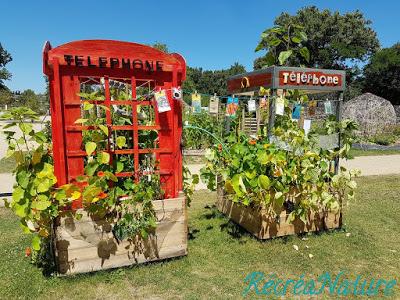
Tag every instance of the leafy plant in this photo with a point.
(196, 139)
(35, 199)
(282, 43)
(286, 171)
(384, 139)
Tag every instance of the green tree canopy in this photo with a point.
(5, 58)
(382, 74)
(210, 82)
(160, 46)
(335, 41)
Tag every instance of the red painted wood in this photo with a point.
(65, 104)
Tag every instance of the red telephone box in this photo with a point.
(104, 64)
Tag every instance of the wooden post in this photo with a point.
(338, 119)
(271, 114)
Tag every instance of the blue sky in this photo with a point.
(210, 34)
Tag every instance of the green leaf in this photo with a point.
(209, 154)
(23, 179)
(42, 202)
(120, 166)
(352, 184)
(36, 243)
(274, 42)
(296, 39)
(87, 105)
(104, 157)
(303, 36)
(121, 141)
(284, 56)
(26, 128)
(91, 168)
(18, 193)
(40, 137)
(305, 53)
(80, 121)
(44, 185)
(104, 128)
(90, 147)
(264, 182)
(263, 158)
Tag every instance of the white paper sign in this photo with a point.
(214, 105)
(279, 106)
(162, 101)
(307, 126)
(251, 105)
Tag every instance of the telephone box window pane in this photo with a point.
(97, 136)
(121, 114)
(122, 139)
(146, 115)
(123, 163)
(92, 88)
(148, 139)
(120, 89)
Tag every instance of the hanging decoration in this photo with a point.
(307, 126)
(196, 102)
(232, 106)
(251, 105)
(312, 105)
(214, 105)
(279, 106)
(177, 93)
(162, 101)
(264, 103)
(296, 112)
(328, 107)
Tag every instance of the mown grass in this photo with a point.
(359, 152)
(221, 255)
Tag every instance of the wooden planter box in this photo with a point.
(256, 220)
(89, 245)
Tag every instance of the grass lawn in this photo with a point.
(221, 255)
(359, 152)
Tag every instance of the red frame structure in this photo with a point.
(65, 67)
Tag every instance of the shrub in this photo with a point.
(384, 139)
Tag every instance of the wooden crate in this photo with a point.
(89, 245)
(256, 220)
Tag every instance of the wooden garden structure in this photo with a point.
(88, 244)
(277, 79)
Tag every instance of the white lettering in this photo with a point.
(285, 77)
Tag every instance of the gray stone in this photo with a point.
(397, 110)
(372, 113)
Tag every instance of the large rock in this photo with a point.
(371, 112)
(397, 110)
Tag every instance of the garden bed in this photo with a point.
(256, 220)
(89, 244)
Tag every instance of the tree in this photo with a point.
(160, 46)
(5, 58)
(335, 41)
(382, 74)
(30, 99)
(6, 97)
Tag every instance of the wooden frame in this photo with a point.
(256, 220)
(89, 245)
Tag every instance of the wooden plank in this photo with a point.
(89, 245)
(256, 220)
(118, 261)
